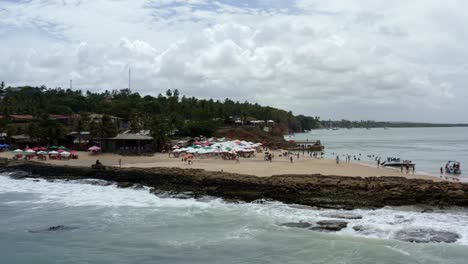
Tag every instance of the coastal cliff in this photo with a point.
(313, 190)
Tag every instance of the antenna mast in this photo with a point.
(129, 78)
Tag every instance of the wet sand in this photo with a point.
(251, 166)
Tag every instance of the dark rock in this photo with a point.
(297, 224)
(98, 167)
(57, 228)
(358, 228)
(183, 196)
(427, 210)
(138, 186)
(124, 184)
(344, 216)
(426, 236)
(311, 190)
(36, 180)
(96, 182)
(329, 226)
(20, 175)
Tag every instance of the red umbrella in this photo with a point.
(35, 149)
(42, 148)
(60, 150)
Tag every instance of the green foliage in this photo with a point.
(159, 130)
(179, 113)
(194, 129)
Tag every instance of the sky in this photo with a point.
(383, 60)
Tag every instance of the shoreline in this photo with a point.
(337, 192)
(255, 166)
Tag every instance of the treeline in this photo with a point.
(165, 113)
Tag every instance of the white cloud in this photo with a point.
(331, 58)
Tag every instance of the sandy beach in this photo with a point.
(251, 166)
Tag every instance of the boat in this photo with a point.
(453, 167)
(303, 145)
(397, 162)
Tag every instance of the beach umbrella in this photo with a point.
(175, 147)
(18, 151)
(94, 148)
(53, 153)
(42, 152)
(54, 147)
(62, 148)
(30, 152)
(65, 154)
(42, 149)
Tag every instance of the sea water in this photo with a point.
(429, 148)
(106, 224)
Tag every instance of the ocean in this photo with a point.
(429, 148)
(106, 224)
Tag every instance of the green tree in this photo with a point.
(159, 130)
(135, 124)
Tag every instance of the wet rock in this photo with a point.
(36, 180)
(329, 226)
(346, 216)
(96, 182)
(359, 228)
(57, 228)
(20, 175)
(184, 196)
(206, 199)
(138, 186)
(124, 184)
(175, 195)
(262, 201)
(426, 236)
(297, 224)
(427, 210)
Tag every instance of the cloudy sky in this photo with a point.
(370, 59)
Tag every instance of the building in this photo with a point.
(21, 118)
(129, 143)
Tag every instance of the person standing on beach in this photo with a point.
(441, 171)
(120, 163)
(291, 159)
(337, 159)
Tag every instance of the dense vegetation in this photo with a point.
(163, 115)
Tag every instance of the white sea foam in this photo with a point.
(381, 224)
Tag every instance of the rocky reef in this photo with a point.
(312, 190)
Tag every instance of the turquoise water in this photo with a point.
(111, 225)
(429, 148)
